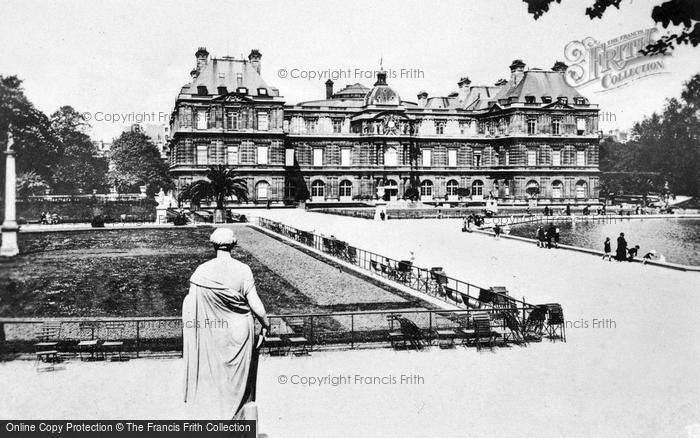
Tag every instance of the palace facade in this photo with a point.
(532, 136)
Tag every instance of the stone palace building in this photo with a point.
(532, 136)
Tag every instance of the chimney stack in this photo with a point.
(202, 58)
(517, 69)
(422, 98)
(329, 89)
(560, 67)
(254, 59)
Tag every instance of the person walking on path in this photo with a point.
(621, 251)
(497, 231)
(607, 249)
(540, 237)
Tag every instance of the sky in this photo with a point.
(131, 57)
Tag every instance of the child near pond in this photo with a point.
(607, 249)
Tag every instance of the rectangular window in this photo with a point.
(318, 157)
(201, 120)
(556, 126)
(580, 158)
(477, 160)
(262, 154)
(580, 126)
(440, 128)
(234, 120)
(507, 162)
(289, 157)
(263, 121)
(531, 126)
(452, 157)
(556, 158)
(345, 157)
(531, 157)
(202, 155)
(232, 155)
(427, 158)
(310, 126)
(337, 126)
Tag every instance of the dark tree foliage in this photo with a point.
(77, 167)
(135, 161)
(31, 129)
(221, 184)
(684, 13)
(667, 150)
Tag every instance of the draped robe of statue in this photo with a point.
(219, 339)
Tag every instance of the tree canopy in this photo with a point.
(667, 150)
(680, 13)
(136, 161)
(50, 151)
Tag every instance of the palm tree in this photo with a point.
(221, 183)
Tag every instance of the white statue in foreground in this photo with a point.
(219, 345)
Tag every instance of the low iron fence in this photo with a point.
(431, 281)
(349, 329)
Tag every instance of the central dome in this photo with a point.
(381, 93)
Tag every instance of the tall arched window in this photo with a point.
(318, 189)
(532, 188)
(452, 187)
(478, 188)
(557, 189)
(391, 157)
(262, 190)
(581, 187)
(391, 188)
(426, 188)
(345, 189)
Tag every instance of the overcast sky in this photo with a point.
(132, 57)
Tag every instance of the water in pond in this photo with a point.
(677, 239)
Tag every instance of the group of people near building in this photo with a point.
(49, 218)
(547, 237)
(474, 219)
(625, 253)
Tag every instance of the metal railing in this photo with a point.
(433, 282)
(154, 335)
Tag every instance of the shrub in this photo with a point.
(97, 222)
(180, 219)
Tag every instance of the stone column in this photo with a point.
(9, 226)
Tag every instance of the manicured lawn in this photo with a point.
(146, 272)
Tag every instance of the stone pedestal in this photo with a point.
(10, 228)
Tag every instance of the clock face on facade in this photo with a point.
(391, 125)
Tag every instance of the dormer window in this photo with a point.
(202, 90)
(262, 92)
(563, 100)
(546, 99)
(529, 99)
(242, 90)
(222, 90)
(579, 100)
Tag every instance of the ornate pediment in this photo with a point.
(557, 105)
(233, 98)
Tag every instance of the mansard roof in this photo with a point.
(538, 83)
(478, 97)
(224, 72)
